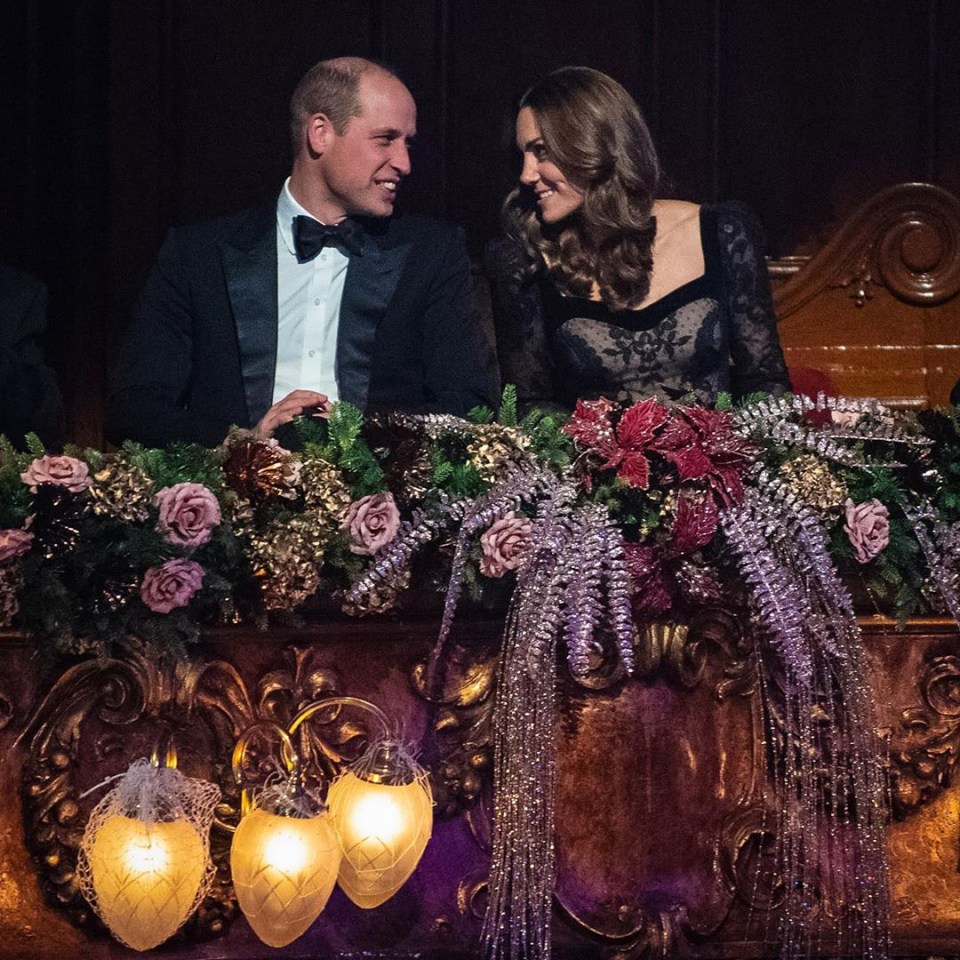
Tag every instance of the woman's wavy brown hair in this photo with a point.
(593, 130)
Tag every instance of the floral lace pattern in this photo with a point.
(715, 334)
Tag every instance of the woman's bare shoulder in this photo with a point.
(673, 214)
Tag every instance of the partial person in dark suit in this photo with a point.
(323, 294)
(30, 400)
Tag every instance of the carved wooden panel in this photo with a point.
(662, 837)
(877, 308)
(916, 682)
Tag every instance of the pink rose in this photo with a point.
(505, 545)
(13, 543)
(868, 527)
(66, 472)
(171, 585)
(372, 522)
(188, 514)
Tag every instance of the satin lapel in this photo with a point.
(370, 285)
(251, 274)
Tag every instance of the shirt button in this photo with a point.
(311, 353)
(317, 302)
(323, 256)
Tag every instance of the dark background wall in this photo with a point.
(123, 116)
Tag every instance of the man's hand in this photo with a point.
(292, 405)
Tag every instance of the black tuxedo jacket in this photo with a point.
(201, 352)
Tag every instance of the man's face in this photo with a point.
(362, 168)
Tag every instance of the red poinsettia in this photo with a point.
(699, 444)
(702, 445)
(623, 448)
(694, 524)
(652, 593)
(666, 573)
(664, 583)
(694, 453)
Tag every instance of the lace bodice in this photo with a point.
(716, 333)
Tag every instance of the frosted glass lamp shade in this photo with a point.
(146, 877)
(384, 829)
(284, 870)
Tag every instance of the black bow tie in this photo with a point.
(310, 237)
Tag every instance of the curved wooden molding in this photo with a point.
(905, 238)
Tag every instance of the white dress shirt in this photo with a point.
(308, 300)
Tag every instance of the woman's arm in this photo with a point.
(522, 348)
(757, 359)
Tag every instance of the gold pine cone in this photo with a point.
(811, 480)
(122, 490)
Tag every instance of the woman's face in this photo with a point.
(557, 196)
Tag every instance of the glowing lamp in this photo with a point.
(144, 860)
(284, 869)
(146, 877)
(383, 813)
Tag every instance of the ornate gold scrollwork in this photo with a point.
(100, 715)
(463, 733)
(678, 651)
(745, 861)
(659, 936)
(472, 893)
(923, 758)
(747, 858)
(462, 722)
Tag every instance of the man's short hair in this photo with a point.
(331, 87)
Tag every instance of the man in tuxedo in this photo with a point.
(323, 295)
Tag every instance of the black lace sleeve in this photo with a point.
(522, 347)
(758, 364)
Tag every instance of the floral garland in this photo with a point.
(605, 521)
(145, 545)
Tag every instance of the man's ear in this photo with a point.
(319, 132)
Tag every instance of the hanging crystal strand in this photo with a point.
(780, 419)
(780, 607)
(582, 605)
(395, 558)
(856, 791)
(779, 601)
(942, 564)
(559, 583)
(830, 783)
(619, 593)
(517, 922)
(524, 483)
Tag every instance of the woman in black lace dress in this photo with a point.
(599, 288)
